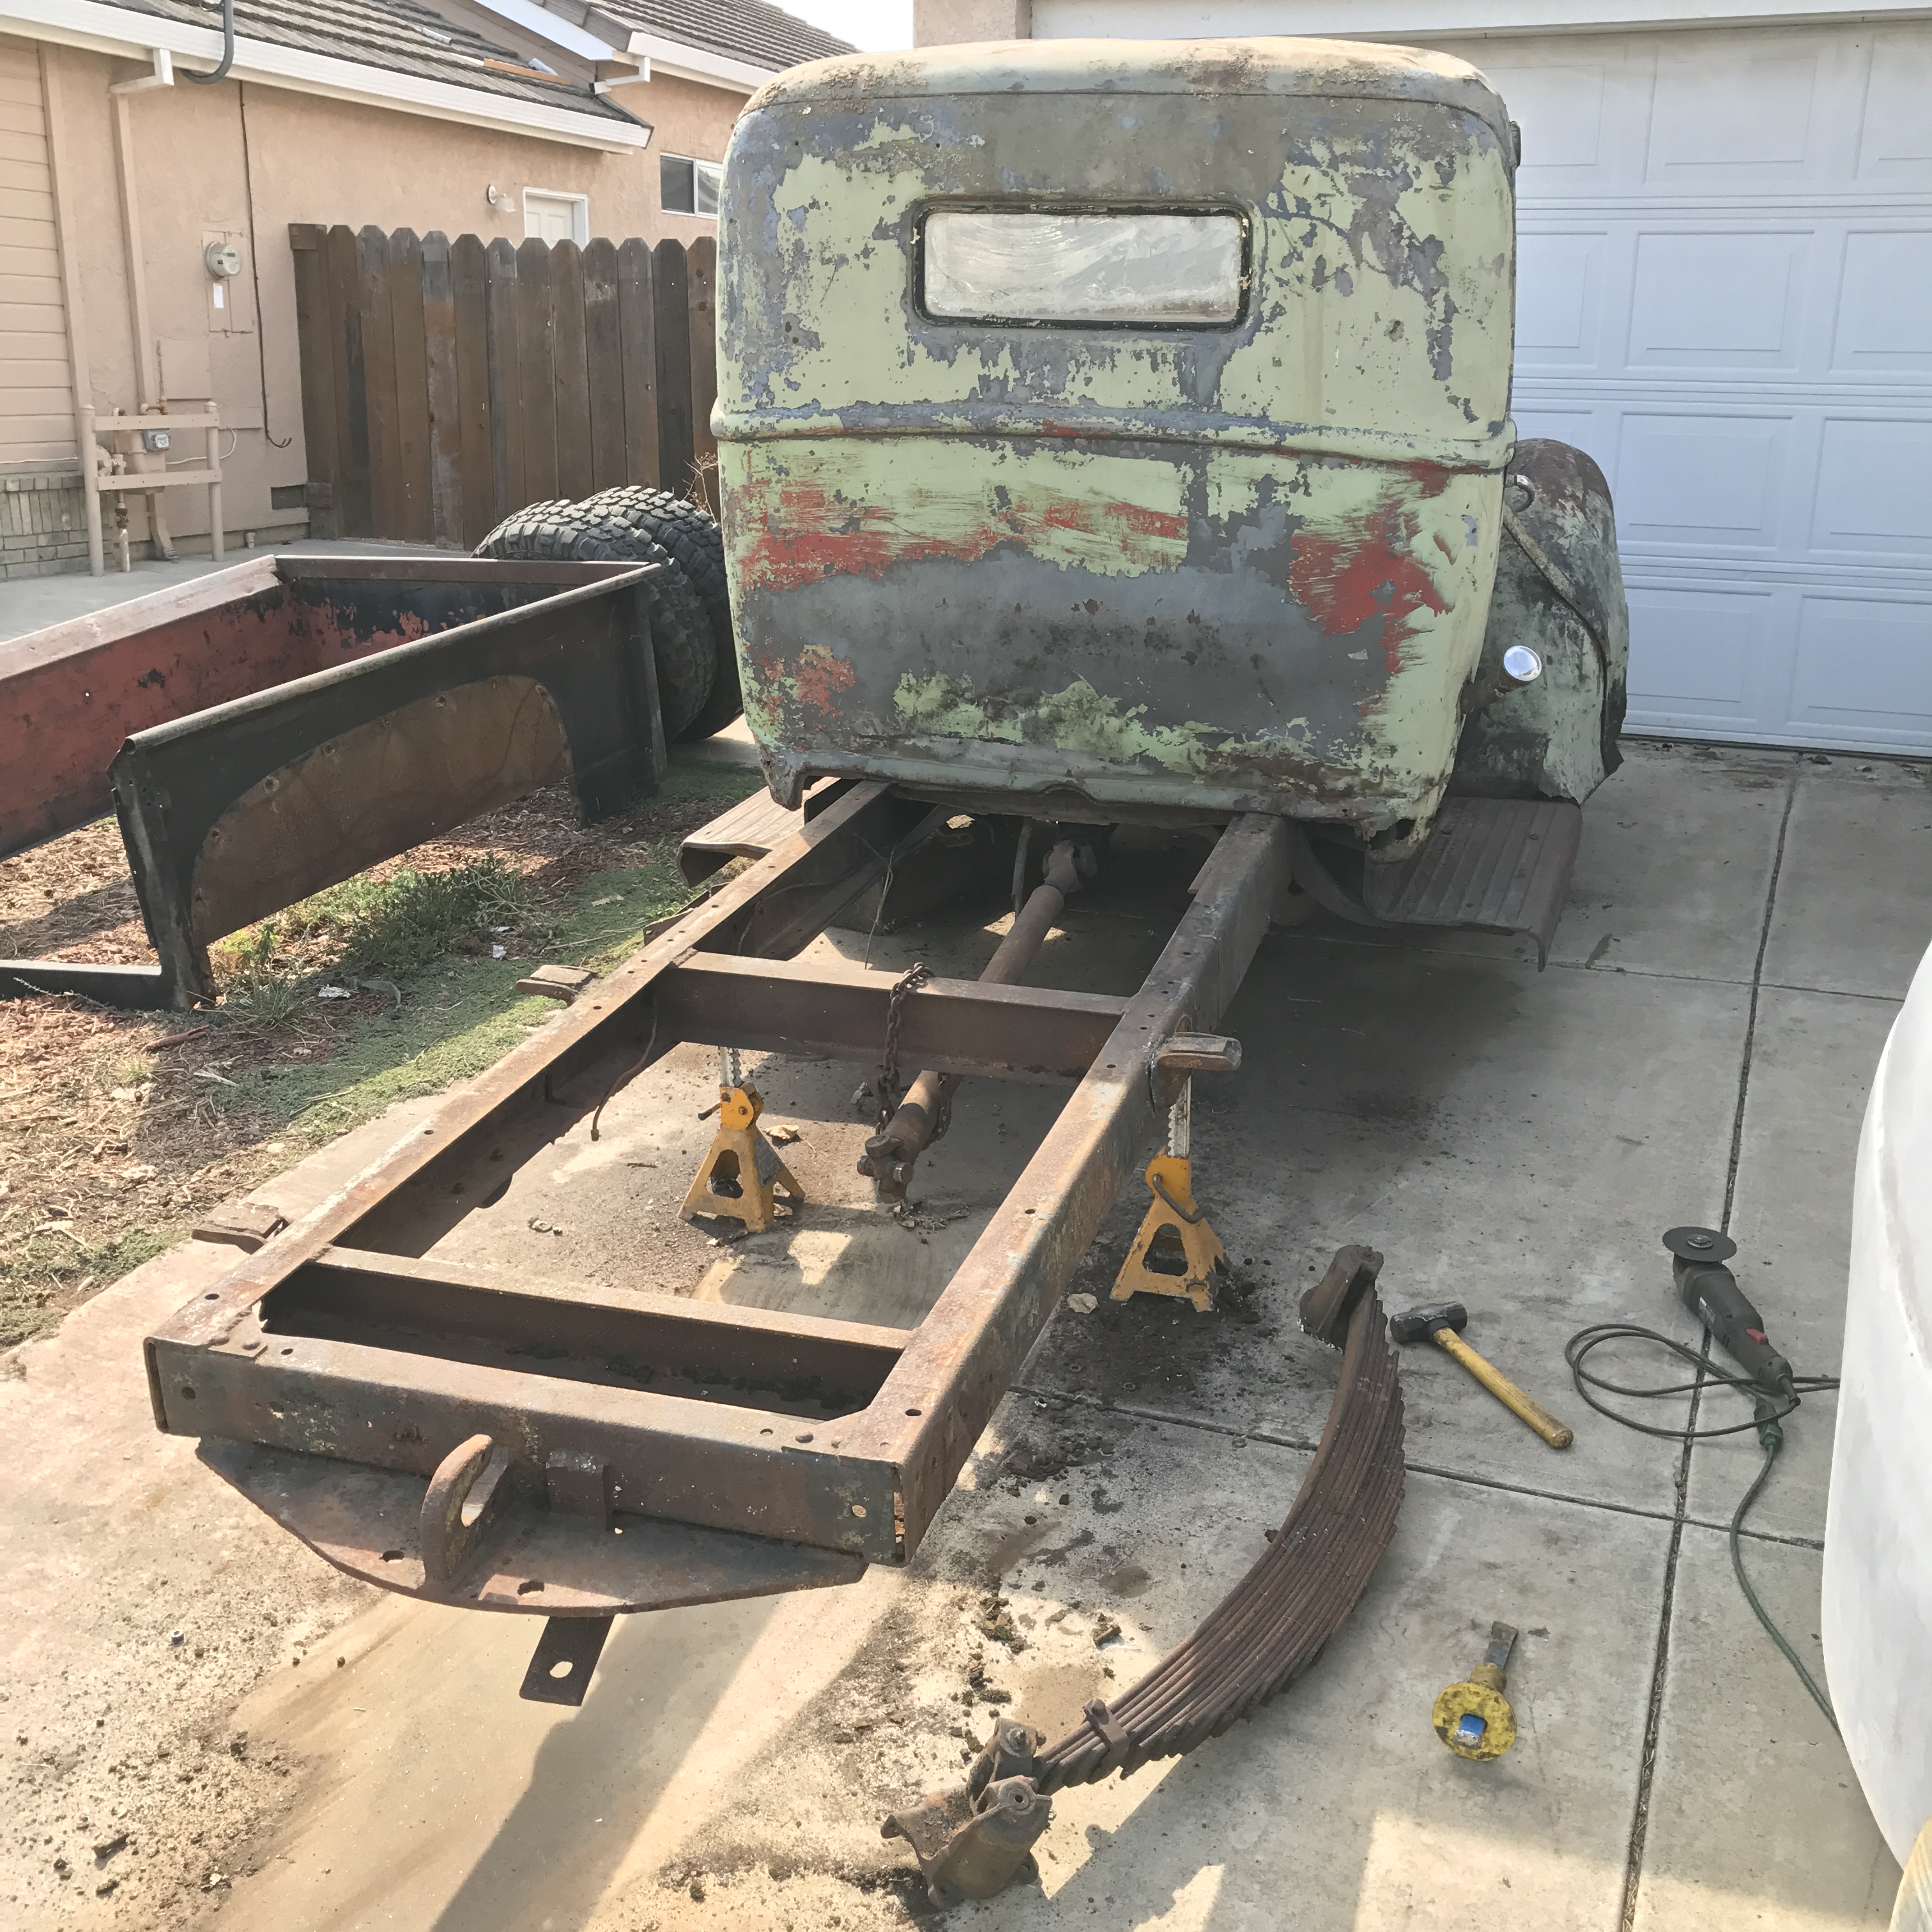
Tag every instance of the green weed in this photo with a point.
(266, 1002)
(33, 1277)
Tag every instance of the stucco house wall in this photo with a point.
(241, 160)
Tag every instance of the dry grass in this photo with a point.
(119, 1130)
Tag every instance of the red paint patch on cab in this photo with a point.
(820, 678)
(810, 536)
(1344, 583)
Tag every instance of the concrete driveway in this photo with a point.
(309, 1755)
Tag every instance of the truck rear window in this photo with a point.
(1024, 266)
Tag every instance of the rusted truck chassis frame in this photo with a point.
(548, 1447)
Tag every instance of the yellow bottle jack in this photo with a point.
(739, 1177)
(1176, 1252)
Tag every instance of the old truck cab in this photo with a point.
(1123, 420)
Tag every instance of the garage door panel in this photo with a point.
(1559, 277)
(1726, 269)
(1895, 149)
(1736, 121)
(1593, 432)
(1865, 671)
(1714, 299)
(1694, 479)
(1884, 320)
(1874, 488)
(1565, 105)
(1701, 657)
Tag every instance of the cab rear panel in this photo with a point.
(1207, 566)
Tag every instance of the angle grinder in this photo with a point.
(1710, 1291)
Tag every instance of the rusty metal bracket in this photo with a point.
(1176, 1060)
(565, 1655)
(971, 1840)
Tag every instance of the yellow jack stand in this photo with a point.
(1175, 1252)
(740, 1176)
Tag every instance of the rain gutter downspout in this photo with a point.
(146, 386)
(220, 71)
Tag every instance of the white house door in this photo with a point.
(1725, 295)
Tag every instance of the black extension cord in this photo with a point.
(1767, 1419)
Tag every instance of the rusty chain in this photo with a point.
(914, 977)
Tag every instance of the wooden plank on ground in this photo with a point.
(573, 467)
(503, 309)
(701, 266)
(315, 350)
(604, 356)
(476, 467)
(536, 333)
(671, 288)
(446, 421)
(416, 523)
(637, 330)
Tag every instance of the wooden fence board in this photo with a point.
(536, 333)
(508, 468)
(475, 471)
(355, 514)
(670, 286)
(379, 377)
(405, 323)
(446, 421)
(701, 263)
(604, 360)
(638, 330)
(446, 384)
(321, 409)
(575, 470)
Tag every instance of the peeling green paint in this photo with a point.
(1199, 566)
(1078, 720)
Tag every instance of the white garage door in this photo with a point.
(1725, 295)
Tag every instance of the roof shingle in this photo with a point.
(744, 30)
(398, 35)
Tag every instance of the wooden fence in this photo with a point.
(445, 384)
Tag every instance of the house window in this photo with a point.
(686, 187)
(551, 216)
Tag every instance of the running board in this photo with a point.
(1499, 865)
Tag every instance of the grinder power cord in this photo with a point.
(1710, 1290)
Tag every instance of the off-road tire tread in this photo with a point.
(682, 630)
(688, 533)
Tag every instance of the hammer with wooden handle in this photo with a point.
(1442, 1322)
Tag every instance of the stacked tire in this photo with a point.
(690, 612)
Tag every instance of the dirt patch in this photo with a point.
(118, 1131)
